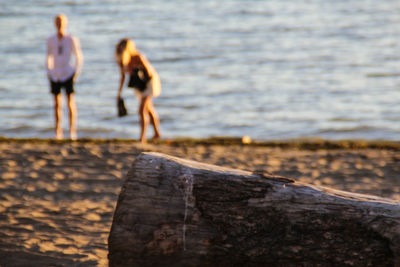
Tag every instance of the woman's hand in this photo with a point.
(121, 83)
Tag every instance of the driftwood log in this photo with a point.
(176, 212)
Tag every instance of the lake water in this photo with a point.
(268, 69)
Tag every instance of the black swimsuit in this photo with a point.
(139, 79)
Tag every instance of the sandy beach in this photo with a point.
(57, 198)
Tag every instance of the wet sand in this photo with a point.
(57, 198)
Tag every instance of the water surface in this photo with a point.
(268, 69)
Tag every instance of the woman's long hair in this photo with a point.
(123, 51)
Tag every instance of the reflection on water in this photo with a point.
(267, 69)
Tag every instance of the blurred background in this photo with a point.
(267, 69)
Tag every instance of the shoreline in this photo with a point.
(297, 143)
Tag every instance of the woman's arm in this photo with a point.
(121, 81)
(146, 64)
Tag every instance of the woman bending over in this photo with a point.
(143, 79)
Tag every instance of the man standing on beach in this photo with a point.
(61, 73)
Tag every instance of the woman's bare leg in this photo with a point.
(72, 116)
(143, 117)
(154, 120)
(58, 114)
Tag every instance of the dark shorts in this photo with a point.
(68, 85)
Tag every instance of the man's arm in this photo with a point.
(78, 56)
(49, 59)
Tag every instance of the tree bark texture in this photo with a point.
(176, 212)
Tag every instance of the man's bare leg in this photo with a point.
(72, 116)
(58, 114)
